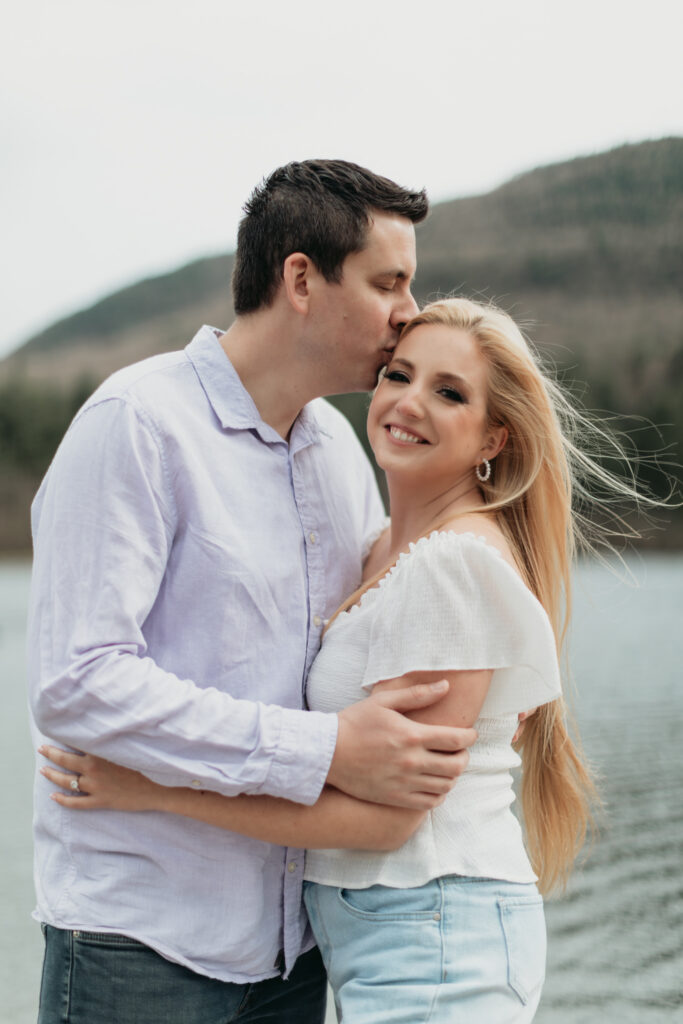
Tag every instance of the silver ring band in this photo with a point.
(74, 785)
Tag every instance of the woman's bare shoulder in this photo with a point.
(483, 525)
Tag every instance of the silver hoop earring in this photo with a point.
(483, 477)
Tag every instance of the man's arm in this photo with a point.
(103, 541)
(105, 522)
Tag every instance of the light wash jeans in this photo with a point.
(97, 978)
(454, 951)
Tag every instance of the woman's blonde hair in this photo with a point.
(548, 482)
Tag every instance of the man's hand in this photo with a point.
(383, 757)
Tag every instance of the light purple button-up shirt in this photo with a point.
(186, 557)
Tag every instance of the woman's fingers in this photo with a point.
(521, 718)
(63, 779)
(100, 784)
(75, 765)
(78, 803)
(81, 799)
(65, 759)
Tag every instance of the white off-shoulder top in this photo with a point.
(450, 602)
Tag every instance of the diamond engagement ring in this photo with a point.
(74, 785)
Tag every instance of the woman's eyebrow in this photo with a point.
(454, 377)
(442, 375)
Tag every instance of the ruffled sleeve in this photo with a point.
(452, 602)
(374, 535)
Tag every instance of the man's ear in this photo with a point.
(297, 273)
(495, 441)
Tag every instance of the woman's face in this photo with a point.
(428, 417)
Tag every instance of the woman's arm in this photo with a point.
(461, 703)
(334, 821)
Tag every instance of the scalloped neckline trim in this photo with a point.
(413, 546)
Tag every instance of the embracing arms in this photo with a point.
(106, 525)
(336, 820)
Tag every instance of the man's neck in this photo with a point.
(265, 359)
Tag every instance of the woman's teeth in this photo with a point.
(401, 435)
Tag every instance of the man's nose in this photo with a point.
(404, 311)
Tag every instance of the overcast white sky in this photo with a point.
(133, 130)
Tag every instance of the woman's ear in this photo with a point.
(297, 271)
(494, 442)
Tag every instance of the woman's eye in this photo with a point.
(452, 394)
(398, 375)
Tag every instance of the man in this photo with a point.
(204, 515)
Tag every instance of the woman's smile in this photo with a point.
(404, 436)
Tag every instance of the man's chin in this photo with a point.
(369, 384)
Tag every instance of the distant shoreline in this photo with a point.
(666, 542)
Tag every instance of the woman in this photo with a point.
(420, 916)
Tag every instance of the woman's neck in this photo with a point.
(415, 512)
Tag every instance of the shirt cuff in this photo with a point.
(299, 766)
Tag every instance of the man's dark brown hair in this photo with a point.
(322, 208)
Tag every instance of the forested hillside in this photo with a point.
(587, 253)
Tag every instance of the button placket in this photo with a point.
(314, 556)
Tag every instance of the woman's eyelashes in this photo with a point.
(447, 391)
(452, 394)
(397, 375)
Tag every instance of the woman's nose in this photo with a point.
(410, 403)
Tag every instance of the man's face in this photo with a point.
(357, 322)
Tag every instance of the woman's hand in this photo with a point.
(521, 719)
(99, 783)
(334, 820)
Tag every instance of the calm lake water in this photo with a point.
(616, 940)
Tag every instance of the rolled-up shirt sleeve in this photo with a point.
(104, 527)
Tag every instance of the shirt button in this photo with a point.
(312, 538)
(437, 917)
(291, 867)
(316, 620)
(196, 784)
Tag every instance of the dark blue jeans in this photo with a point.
(93, 978)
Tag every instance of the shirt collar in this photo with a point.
(230, 400)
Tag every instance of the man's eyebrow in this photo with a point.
(397, 274)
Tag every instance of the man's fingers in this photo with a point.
(411, 698)
(435, 785)
(425, 801)
(446, 766)
(445, 739)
